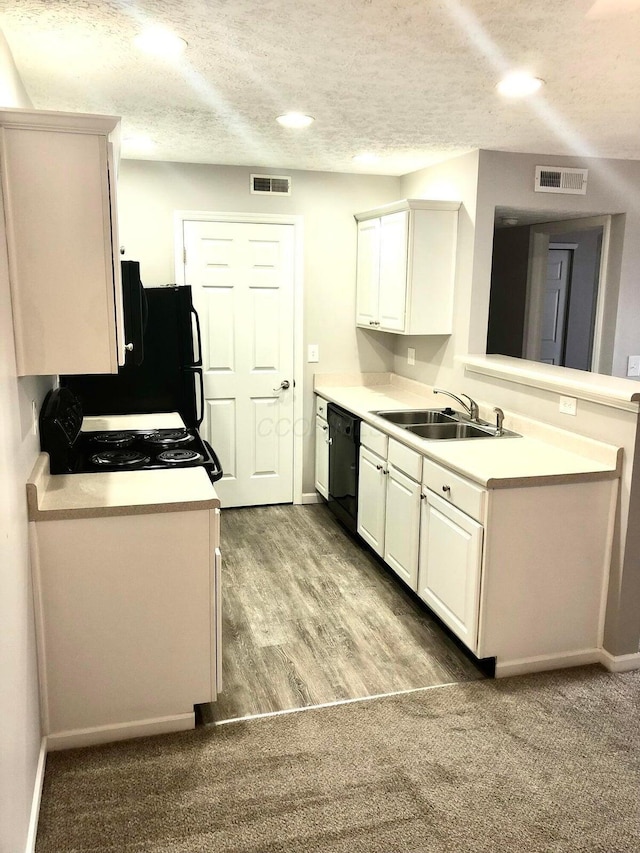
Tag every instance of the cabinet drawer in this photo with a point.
(374, 439)
(405, 459)
(321, 407)
(458, 491)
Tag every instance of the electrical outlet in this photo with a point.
(411, 355)
(633, 365)
(568, 405)
(313, 353)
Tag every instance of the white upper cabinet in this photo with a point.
(58, 185)
(406, 267)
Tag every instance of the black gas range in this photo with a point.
(72, 451)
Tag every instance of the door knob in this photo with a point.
(282, 386)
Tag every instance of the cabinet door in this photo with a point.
(368, 273)
(60, 240)
(322, 457)
(402, 526)
(371, 499)
(394, 230)
(450, 562)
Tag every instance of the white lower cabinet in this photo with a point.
(450, 565)
(389, 502)
(514, 571)
(128, 621)
(402, 526)
(372, 499)
(322, 457)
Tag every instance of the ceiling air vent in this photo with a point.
(270, 185)
(554, 179)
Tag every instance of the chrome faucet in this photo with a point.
(471, 408)
(499, 420)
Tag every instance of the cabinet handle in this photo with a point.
(379, 467)
(446, 489)
(422, 496)
(325, 427)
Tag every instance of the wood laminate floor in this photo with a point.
(310, 617)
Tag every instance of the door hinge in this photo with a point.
(184, 256)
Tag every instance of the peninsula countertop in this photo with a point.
(539, 455)
(51, 497)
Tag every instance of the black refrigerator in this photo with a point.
(162, 375)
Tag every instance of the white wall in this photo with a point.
(506, 180)
(19, 711)
(150, 192)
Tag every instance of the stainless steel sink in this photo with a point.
(442, 424)
(448, 431)
(418, 416)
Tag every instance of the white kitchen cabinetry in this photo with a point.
(322, 448)
(389, 501)
(128, 621)
(406, 267)
(450, 565)
(516, 573)
(58, 184)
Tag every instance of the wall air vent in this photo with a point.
(555, 179)
(270, 185)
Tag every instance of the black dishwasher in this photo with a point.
(344, 444)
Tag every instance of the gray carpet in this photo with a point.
(548, 762)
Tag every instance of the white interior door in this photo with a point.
(242, 277)
(555, 306)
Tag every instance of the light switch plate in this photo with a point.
(313, 353)
(411, 355)
(633, 365)
(568, 405)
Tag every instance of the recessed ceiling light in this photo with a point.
(519, 84)
(295, 120)
(160, 41)
(367, 158)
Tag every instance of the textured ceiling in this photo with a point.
(412, 80)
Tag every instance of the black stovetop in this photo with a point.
(134, 450)
(72, 451)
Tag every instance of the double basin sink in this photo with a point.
(442, 424)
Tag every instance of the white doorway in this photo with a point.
(244, 272)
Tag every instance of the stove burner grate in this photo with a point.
(176, 457)
(113, 439)
(120, 459)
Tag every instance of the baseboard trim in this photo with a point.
(620, 663)
(311, 498)
(120, 731)
(36, 799)
(545, 662)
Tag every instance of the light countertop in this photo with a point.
(504, 462)
(109, 493)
